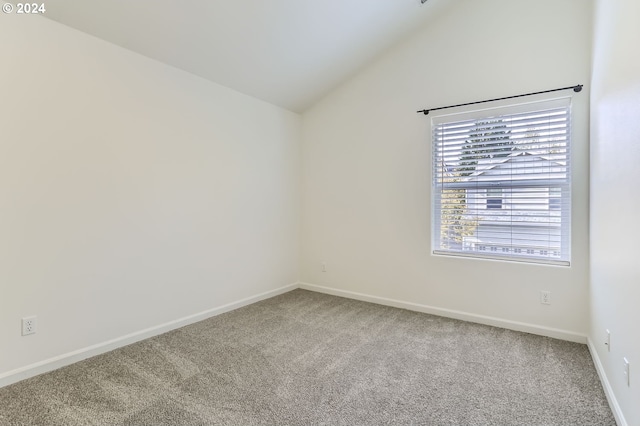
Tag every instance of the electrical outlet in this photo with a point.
(29, 325)
(607, 340)
(545, 297)
(323, 266)
(626, 371)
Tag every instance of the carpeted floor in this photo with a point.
(306, 358)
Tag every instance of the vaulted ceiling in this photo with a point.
(287, 52)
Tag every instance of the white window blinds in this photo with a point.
(502, 183)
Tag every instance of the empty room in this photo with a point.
(349, 212)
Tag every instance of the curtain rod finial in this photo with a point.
(577, 88)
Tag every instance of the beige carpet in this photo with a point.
(305, 358)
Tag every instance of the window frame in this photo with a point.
(502, 109)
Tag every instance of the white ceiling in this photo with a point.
(286, 52)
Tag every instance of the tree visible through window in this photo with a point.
(501, 183)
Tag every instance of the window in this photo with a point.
(494, 198)
(555, 198)
(502, 183)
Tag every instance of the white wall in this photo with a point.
(366, 164)
(615, 198)
(132, 194)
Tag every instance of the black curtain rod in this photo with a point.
(576, 88)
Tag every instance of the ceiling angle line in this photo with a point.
(576, 88)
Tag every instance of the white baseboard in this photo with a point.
(449, 313)
(54, 363)
(608, 390)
